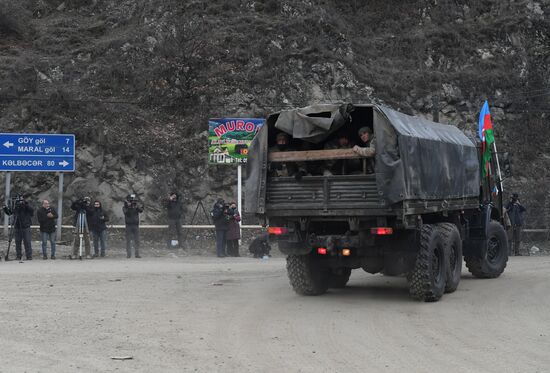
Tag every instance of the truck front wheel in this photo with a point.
(427, 279)
(494, 261)
(306, 275)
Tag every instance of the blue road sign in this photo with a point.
(37, 152)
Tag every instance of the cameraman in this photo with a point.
(131, 211)
(515, 212)
(81, 207)
(98, 227)
(47, 216)
(174, 209)
(22, 213)
(220, 216)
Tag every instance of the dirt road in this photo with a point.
(239, 315)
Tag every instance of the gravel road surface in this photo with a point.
(240, 315)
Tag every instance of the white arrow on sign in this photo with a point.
(8, 144)
(64, 163)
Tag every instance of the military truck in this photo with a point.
(422, 211)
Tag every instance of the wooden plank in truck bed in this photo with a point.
(312, 155)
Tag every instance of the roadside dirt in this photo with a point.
(203, 314)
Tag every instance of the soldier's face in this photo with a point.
(343, 141)
(365, 137)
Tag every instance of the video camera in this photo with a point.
(18, 201)
(82, 203)
(131, 201)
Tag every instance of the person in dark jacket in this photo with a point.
(233, 230)
(174, 209)
(22, 218)
(131, 210)
(515, 211)
(97, 222)
(260, 247)
(47, 216)
(220, 217)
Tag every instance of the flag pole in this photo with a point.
(498, 166)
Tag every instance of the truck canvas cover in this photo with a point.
(416, 159)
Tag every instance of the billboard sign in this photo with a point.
(229, 139)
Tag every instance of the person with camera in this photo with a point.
(174, 210)
(98, 227)
(515, 211)
(81, 207)
(47, 216)
(22, 218)
(131, 210)
(220, 216)
(233, 230)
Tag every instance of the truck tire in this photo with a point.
(453, 251)
(494, 262)
(427, 279)
(306, 276)
(339, 278)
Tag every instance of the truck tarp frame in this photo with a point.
(416, 159)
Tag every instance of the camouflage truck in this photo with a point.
(422, 211)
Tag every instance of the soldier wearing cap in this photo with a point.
(368, 150)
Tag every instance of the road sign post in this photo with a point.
(7, 198)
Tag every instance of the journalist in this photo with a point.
(21, 213)
(233, 234)
(131, 210)
(221, 218)
(47, 216)
(98, 227)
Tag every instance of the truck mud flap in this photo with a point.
(294, 248)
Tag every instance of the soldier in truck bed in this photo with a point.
(339, 167)
(368, 139)
(278, 169)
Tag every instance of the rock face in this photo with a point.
(136, 81)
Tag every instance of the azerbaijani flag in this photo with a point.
(486, 136)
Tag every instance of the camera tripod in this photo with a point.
(11, 233)
(83, 233)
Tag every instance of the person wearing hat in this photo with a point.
(368, 150)
(516, 213)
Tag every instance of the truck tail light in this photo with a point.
(322, 250)
(381, 230)
(277, 230)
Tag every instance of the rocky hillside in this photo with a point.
(136, 80)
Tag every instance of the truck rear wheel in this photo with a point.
(427, 279)
(306, 275)
(339, 278)
(453, 251)
(492, 264)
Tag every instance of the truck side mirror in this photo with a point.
(506, 167)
